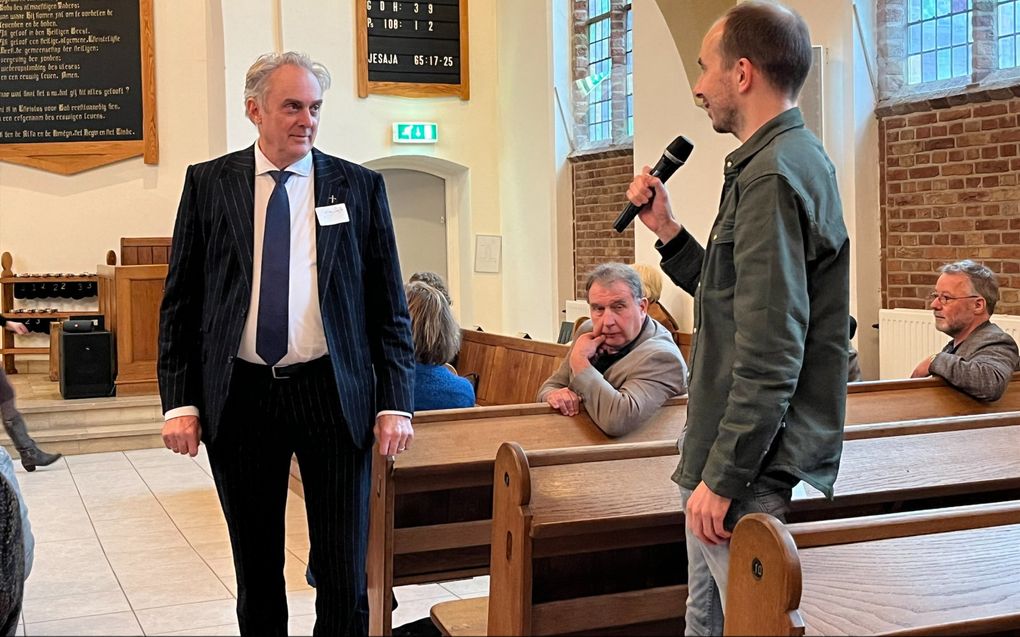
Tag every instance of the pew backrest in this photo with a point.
(548, 518)
(943, 571)
(509, 370)
(894, 400)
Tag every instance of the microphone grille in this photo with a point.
(679, 149)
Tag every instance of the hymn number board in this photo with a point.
(412, 49)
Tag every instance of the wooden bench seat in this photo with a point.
(587, 508)
(938, 572)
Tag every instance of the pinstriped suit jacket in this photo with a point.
(208, 291)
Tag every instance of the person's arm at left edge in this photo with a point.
(770, 309)
(389, 328)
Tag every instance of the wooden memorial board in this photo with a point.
(412, 49)
(77, 83)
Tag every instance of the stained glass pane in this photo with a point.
(960, 29)
(945, 64)
(1005, 25)
(961, 61)
(914, 69)
(913, 10)
(927, 9)
(1007, 53)
(943, 7)
(928, 69)
(928, 35)
(944, 30)
(959, 5)
(913, 39)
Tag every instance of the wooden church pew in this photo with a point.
(937, 572)
(416, 537)
(593, 515)
(431, 506)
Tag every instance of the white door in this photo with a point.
(418, 204)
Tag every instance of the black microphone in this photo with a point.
(673, 157)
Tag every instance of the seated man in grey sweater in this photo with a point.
(622, 365)
(981, 358)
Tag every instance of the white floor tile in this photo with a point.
(416, 609)
(468, 587)
(215, 631)
(413, 592)
(170, 619)
(300, 625)
(140, 458)
(69, 567)
(301, 602)
(155, 579)
(113, 624)
(43, 609)
(60, 518)
(98, 462)
(156, 533)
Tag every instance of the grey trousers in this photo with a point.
(708, 564)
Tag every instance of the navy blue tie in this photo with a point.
(274, 288)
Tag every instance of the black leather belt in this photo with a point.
(284, 372)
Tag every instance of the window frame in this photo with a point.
(893, 74)
(620, 100)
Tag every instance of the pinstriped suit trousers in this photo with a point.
(263, 423)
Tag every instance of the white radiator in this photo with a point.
(907, 336)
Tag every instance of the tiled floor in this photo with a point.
(134, 543)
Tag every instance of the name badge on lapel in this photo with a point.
(332, 215)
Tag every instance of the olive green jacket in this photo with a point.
(768, 363)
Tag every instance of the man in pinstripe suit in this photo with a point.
(294, 338)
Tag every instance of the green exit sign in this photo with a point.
(415, 133)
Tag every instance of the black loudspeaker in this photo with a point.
(87, 366)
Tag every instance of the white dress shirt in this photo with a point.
(306, 338)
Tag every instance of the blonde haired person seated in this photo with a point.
(651, 288)
(436, 338)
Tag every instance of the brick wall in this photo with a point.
(949, 191)
(600, 187)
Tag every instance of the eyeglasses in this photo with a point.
(945, 299)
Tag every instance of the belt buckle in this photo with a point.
(275, 375)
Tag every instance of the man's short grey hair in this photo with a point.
(982, 279)
(256, 80)
(609, 273)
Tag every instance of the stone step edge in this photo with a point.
(27, 407)
(91, 432)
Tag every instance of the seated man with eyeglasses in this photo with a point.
(981, 358)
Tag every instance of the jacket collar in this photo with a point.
(762, 137)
